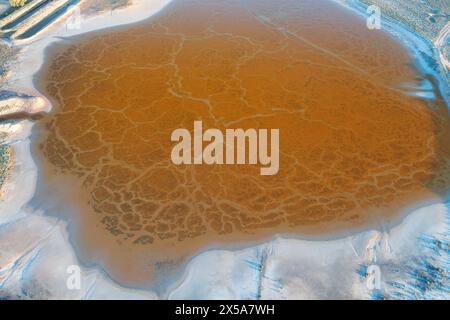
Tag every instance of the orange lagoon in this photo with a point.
(356, 148)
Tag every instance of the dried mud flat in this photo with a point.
(355, 148)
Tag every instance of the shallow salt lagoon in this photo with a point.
(355, 150)
(38, 241)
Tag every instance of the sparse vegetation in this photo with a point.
(7, 54)
(11, 9)
(94, 6)
(17, 3)
(416, 14)
(5, 163)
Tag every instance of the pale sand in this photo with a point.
(139, 222)
(302, 269)
(420, 48)
(32, 240)
(30, 62)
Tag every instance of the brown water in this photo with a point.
(354, 149)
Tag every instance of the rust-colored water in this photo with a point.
(355, 150)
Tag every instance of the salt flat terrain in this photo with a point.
(36, 251)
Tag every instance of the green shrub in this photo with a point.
(17, 3)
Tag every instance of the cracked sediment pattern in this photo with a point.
(354, 149)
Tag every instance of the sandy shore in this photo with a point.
(426, 52)
(22, 186)
(46, 239)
